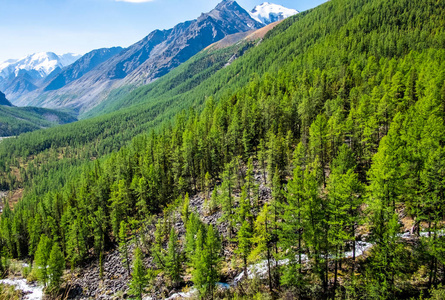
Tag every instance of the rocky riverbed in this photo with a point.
(31, 291)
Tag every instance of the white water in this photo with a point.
(260, 269)
(31, 290)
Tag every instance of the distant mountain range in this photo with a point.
(21, 76)
(37, 65)
(47, 81)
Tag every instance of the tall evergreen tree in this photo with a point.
(124, 247)
(139, 276)
(41, 259)
(207, 262)
(173, 263)
(56, 265)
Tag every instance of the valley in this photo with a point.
(264, 154)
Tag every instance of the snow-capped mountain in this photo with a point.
(37, 65)
(267, 13)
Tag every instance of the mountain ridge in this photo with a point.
(150, 58)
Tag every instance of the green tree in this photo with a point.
(41, 259)
(56, 265)
(244, 237)
(123, 246)
(226, 199)
(173, 259)
(291, 233)
(262, 240)
(139, 276)
(119, 205)
(207, 262)
(185, 209)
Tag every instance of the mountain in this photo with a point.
(3, 100)
(37, 65)
(268, 13)
(325, 170)
(22, 76)
(82, 66)
(180, 82)
(145, 61)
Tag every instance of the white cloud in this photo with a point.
(135, 1)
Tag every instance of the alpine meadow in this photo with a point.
(300, 158)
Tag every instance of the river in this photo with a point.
(31, 290)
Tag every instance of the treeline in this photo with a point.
(350, 141)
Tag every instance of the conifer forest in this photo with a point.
(312, 167)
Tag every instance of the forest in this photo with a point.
(334, 145)
(17, 120)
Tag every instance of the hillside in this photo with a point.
(17, 120)
(292, 172)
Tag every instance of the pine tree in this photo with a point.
(173, 259)
(139, 276)
(119, 205)
(261, 239)
(262, 159)
(123, 246)
(244, 243)
(207, 262)
(213, 202)
(76, 246)
(291, 233)
(56, 265)
(226, 199)
(157, 250)
(100, 227)
(41, 259)
(194, 225)
(185, 209)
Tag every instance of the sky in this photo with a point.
(79, 26)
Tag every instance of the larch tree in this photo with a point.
(139, 279)
(56, 265)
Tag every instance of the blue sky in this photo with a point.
(79, 26)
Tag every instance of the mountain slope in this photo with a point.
(82, 66)
(3, 100)
(17, 120)
(150, 58)
(307, 153)
(187, 76)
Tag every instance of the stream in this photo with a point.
(32, 291)
(260, 269)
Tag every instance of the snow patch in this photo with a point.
(267, 13)
(41, 64)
